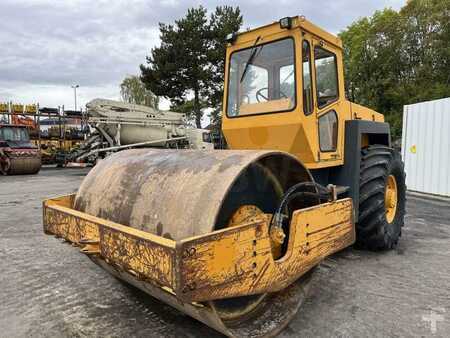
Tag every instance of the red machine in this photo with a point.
(18, 156)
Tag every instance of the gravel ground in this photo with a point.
(50, 289)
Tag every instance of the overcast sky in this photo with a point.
(48, 45)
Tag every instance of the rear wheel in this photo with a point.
(381, 198)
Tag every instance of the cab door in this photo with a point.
(308, 148)
(328, 100)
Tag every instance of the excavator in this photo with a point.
(233, 237)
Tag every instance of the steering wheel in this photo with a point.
(259, 95)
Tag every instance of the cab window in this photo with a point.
(328, 131)
(307, 80)
(259, 79)
(326, 76)
(287, 81)
(13, 134)
(262, 79)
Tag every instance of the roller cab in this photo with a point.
(284, 90)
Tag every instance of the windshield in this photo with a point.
(262, 79)
(13, 134)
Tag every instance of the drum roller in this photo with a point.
(180, 194)
(25, 166)
(20, 164)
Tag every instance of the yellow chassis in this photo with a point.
(226, 263)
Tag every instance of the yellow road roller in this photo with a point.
(232, 237)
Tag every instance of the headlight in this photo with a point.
(231, 37)
(286, 23)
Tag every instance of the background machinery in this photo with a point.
(54, 131)
(17, 154)
(232, 237)
(118, 125)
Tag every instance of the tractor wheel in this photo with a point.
(381, 198)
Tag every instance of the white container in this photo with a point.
(426, 146)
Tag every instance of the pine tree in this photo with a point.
(188, 65)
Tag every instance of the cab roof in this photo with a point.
(297, 22)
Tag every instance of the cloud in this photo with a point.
(47, 45)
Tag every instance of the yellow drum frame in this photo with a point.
(235, 261)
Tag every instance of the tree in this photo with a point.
(188, 65)
(133, 90)
(396, 58)
(223, 21)
(187, 108)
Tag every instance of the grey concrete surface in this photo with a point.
(49, 289)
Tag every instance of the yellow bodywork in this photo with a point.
(292, 131)
(53, 145)
(236, 261)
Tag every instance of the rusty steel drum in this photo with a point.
(183, 193)
(24, 165)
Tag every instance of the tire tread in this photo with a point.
(373, 231)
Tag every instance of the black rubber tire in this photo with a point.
(373, 231)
